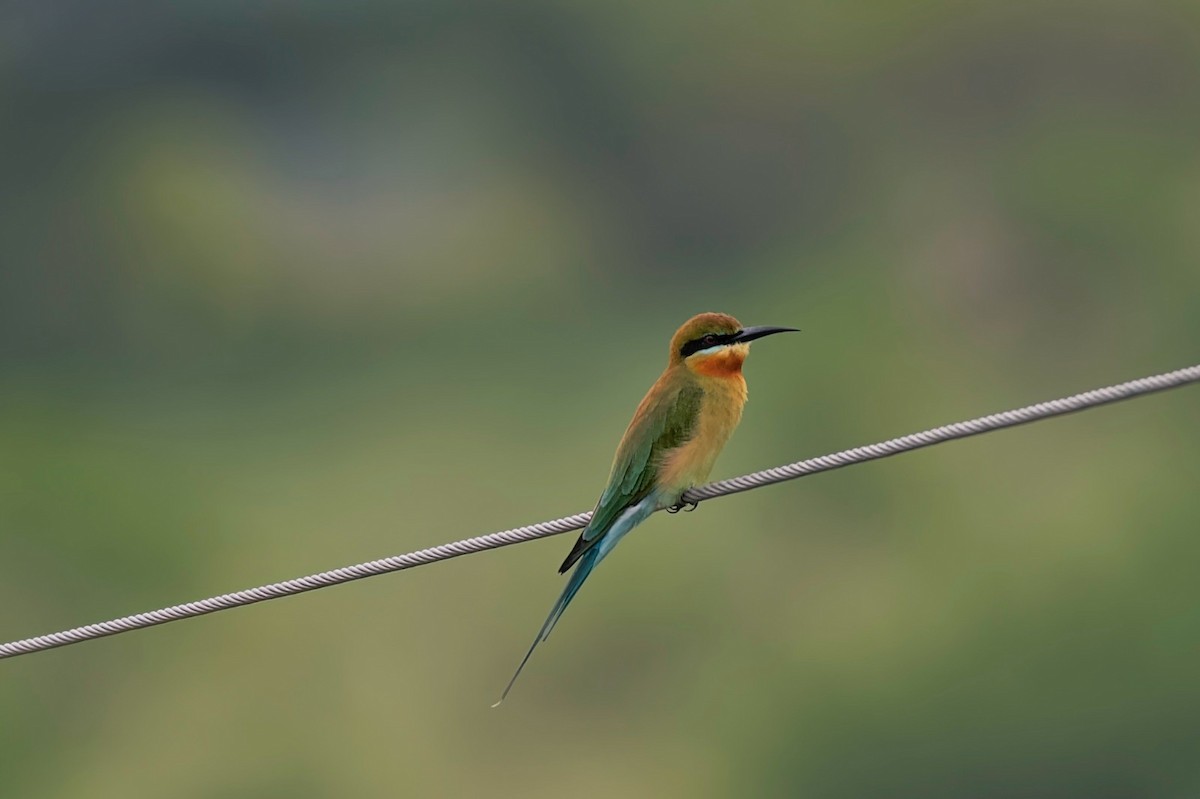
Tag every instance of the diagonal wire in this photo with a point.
(895, 446)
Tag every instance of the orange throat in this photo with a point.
(725, 363)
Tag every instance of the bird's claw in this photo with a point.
(684, 506)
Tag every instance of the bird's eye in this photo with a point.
(710, 340)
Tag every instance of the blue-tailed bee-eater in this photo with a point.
(670, 446)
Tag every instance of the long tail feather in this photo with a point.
(586, 564)
(631, 517)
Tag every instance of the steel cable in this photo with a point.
(791, 471)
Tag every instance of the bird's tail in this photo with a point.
(632, 517)
(582, 570)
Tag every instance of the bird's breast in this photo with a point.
(720, 411)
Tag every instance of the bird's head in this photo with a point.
(716, 344)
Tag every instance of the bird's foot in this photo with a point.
(684, 506)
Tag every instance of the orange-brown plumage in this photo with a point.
(725, 364)
(699, 325)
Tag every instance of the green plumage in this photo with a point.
(665, 420)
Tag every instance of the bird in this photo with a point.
(671, 444)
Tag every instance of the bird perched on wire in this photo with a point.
(676, 434)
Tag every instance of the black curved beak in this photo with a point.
(751, 333)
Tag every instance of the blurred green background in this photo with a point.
(288, 286)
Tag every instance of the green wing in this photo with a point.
(666, 424)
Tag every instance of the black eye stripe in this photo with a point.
(706, 341)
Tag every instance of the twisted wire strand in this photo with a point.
(949, 432)
(791, 471)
